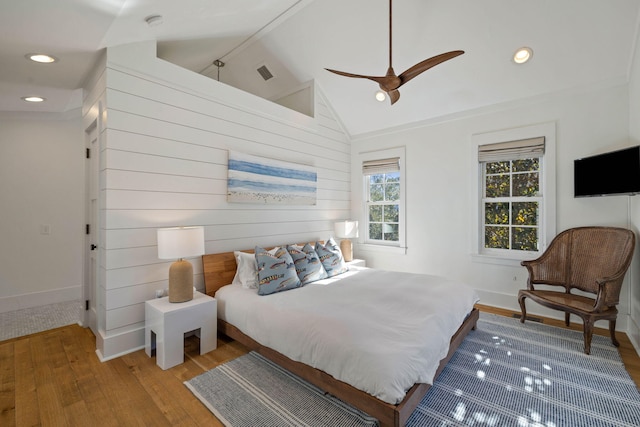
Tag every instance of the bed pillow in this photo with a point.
(307, 263)
(246, 271)
(276, 271)
(331, 258)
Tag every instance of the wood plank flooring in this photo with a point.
(54, 378)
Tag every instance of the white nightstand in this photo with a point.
(357, 263)
(166, 323)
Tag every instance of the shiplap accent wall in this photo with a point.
(165, 138)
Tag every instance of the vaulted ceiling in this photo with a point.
(576, 44)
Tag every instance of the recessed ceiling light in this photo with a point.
(381, 96)
(33, 98)
(522, 55)
(41, 57)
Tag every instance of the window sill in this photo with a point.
(501, 259)
(367, 247)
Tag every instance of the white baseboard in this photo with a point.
(633, 332)
(36, 299)
(113, 346)
(510, 302)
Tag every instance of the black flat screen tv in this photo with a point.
(613, 173)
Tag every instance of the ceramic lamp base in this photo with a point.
(347, 249)
(181, 281)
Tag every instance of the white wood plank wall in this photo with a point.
(164, 163)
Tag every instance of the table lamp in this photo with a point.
(179, 243)
(346, 230)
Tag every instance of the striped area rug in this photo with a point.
(504, 374)
(251, 391)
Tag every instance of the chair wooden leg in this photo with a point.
(612, 331)
(522, 308)
(566, 318)
(588, 334)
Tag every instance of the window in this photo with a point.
(383, 206)
(515, 192)
(383, 198)
(511, 195)
(511, 204)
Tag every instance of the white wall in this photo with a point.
(41, 184)
(634, 139)
(439, 186)
(164, 136)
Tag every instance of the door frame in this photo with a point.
(91, 252)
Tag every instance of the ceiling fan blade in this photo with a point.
(423, 66)
(387, 83)
(394, 95)
(359, 76)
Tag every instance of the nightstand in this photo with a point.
(166, 323)
(357, 263)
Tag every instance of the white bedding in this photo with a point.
(379, 331)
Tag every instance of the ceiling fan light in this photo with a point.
(522, 55)
(381, 96)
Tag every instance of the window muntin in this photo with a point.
(511, 205)
(383, 207)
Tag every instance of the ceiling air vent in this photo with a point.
(265, 73)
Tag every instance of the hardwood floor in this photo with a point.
(54, 378)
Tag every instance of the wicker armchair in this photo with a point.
(590, 259)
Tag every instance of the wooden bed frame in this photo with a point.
(219, 270)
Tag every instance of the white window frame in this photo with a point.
(376, 245)
(547, 218)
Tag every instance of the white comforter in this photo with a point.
(379, 331)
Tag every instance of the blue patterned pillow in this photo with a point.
(308, 265)
(276, 272)
(331, 258)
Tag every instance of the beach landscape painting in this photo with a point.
(255, 179)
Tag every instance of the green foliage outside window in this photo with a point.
(384, 193)
(510, 220)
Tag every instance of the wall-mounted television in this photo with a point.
(613, 173)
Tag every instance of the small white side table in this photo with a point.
(166, 323)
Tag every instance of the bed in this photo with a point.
(317, 333)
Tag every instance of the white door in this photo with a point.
(92, 248)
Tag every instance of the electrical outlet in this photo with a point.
(45, 229)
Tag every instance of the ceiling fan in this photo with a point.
(391, 82)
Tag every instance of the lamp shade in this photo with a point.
(346, 229)
(180, 242)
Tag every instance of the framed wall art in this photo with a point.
(261, 180)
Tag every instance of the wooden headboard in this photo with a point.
(219, 269)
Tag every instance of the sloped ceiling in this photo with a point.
(577, 44)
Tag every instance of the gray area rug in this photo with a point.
(251, 391)
(503, 374)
